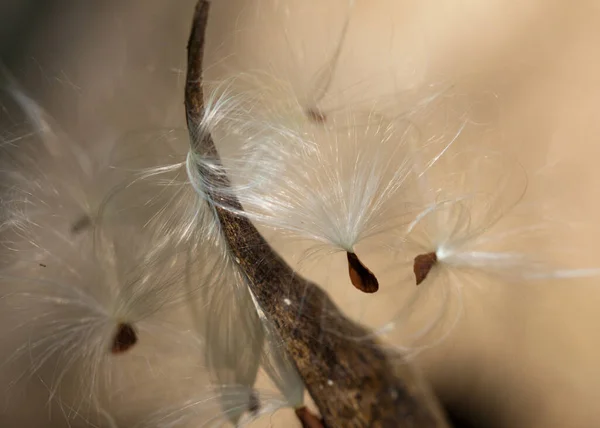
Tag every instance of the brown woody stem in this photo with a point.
(354, 383)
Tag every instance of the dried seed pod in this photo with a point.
(423, 264)
(361, 277)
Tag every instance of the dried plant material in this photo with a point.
(333, 186)
(362, 278)
(234, 337)
(332, 367)
(280, 367)
(82, 223)
(316, 115)
(254, 403)
(125, 338)
(423, 264)
(307, 419)
(71, 295)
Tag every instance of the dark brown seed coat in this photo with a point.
(423, 265)
(360, 276)
(124, 339)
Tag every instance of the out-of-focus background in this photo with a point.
(522, 355)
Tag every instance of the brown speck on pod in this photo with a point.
(124, 339)
(253, 403)
(43, 265)
(423, 264)
(307, 419)
(361, 277)
(81, 224)
(316, 115)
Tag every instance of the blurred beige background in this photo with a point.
(523, 355)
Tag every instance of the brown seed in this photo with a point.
(307, 419)
(81, 224)
(124, 339)
(316, 115)
(253, 403)
(422, 266)
(361, 277)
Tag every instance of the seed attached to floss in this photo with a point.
(361, 277)
(81, 224)
(316, 115)
(307, 419)
(253, 403)
(423, 264)
(124, 339)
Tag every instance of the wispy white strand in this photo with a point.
(234, 337)
(279, 366)
(154, 243)
(325, 76)
(66, 289)
(468, 227)
(335, 183)
(206, 410)
(224, 313)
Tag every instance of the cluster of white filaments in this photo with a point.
(110, 268)
(450, 214)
